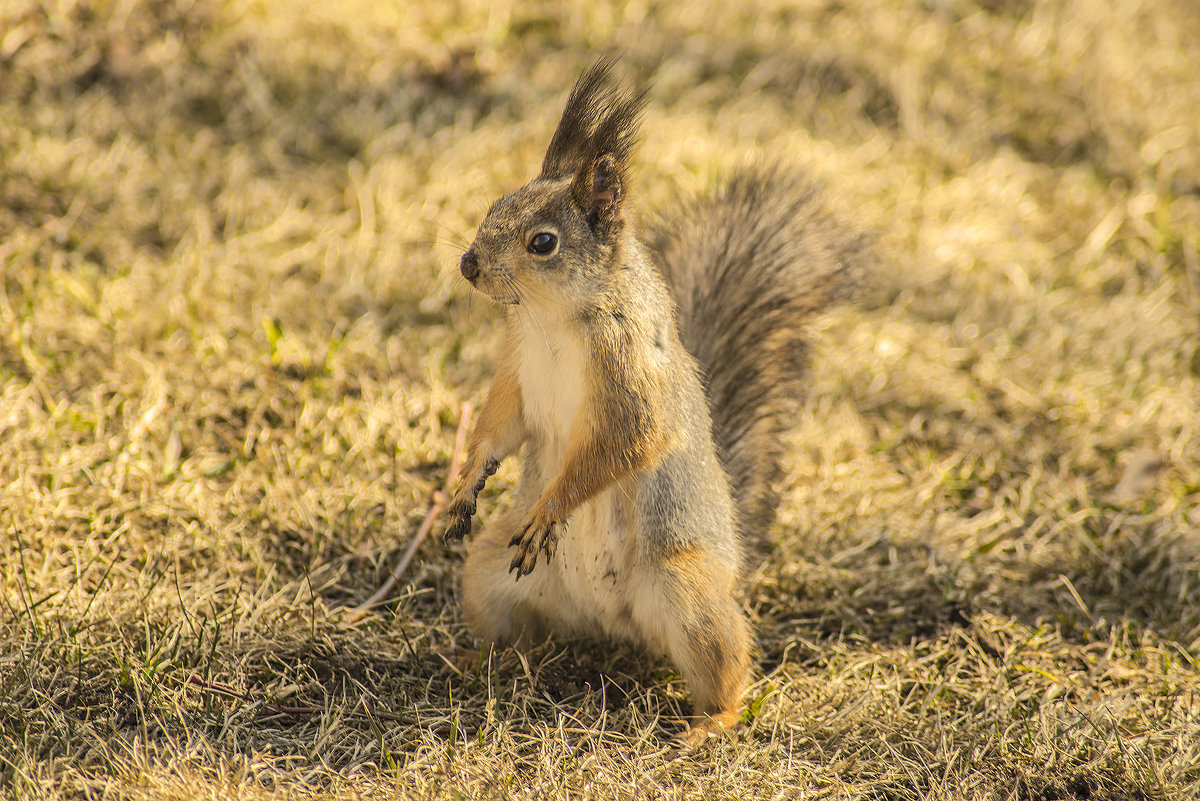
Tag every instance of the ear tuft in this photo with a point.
(571, 143)
(600, 118)
(602, 179)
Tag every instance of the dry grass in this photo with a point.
(232, 353)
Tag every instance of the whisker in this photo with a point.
(524, 308)
(445, 275)
(458, 246)
(540, 295)
(457, 236)
(481, 192)
(553, 351)
(507, 282)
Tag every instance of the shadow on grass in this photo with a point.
(336, 701)
(167, 60)
(1134, 575)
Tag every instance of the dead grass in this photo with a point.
(232, 351)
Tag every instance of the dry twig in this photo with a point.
(437, 504)
(269, 709)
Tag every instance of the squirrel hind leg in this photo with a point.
(500, 610)
(688, 607)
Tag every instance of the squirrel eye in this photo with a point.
(543, 243)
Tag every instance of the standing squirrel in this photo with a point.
(638, 499)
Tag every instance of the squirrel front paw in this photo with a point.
(462, 508)
(459, 521)
(540, 533)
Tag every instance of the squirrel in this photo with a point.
(650, 380)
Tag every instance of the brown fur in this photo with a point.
(622, 485)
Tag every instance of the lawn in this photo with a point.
(235, 349)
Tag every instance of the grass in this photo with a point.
(233, 351)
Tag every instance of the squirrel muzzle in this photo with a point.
(469, 266)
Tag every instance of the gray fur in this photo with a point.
(747, 266)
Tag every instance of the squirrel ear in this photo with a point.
(599, 190)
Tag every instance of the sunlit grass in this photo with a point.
(233, 348)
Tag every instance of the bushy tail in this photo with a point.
(748, 265)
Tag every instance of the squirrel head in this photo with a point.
(555, 238)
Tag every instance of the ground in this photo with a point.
(234, 351)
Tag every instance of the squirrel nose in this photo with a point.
(470, 266)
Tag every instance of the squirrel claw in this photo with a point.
(532, 539)
(522, 565)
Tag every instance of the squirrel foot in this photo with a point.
(704, 728)
(538, 534)
(461, 660)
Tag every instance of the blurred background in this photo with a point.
(234, 345)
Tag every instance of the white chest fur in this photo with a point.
(552, 376)
(592, 559)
